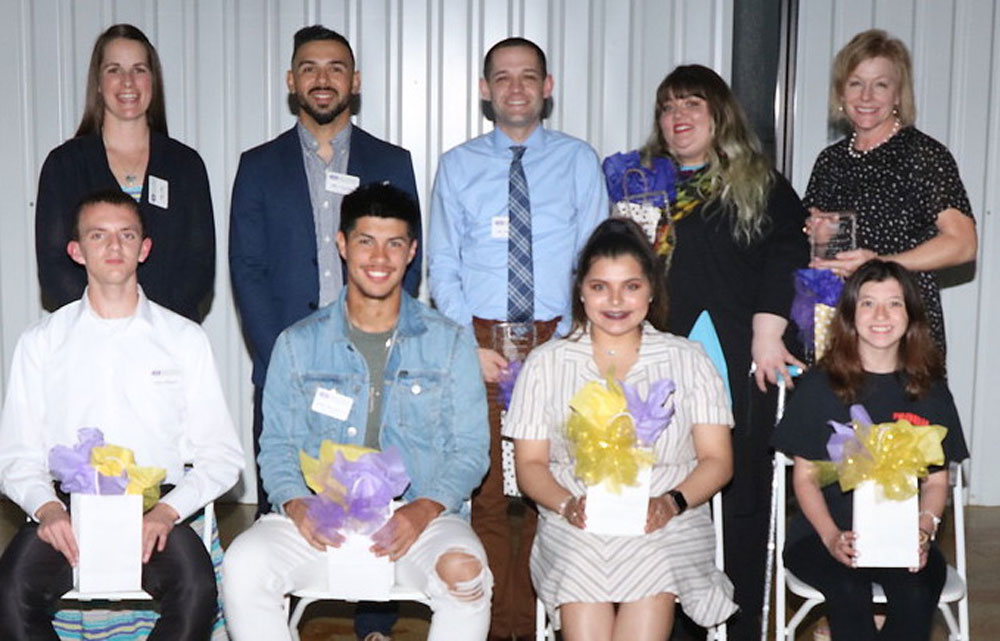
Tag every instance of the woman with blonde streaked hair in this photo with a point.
(734, 242)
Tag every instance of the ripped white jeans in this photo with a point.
(272, 559)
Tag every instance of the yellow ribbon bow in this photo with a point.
(317, 471)
(112, 460)
(602, 437)
(893, 455)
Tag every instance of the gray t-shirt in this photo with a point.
(375, 348)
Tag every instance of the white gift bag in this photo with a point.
(887, 530)
(619, 514)
(356, 574)
(108, 531)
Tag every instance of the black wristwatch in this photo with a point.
(679, 501)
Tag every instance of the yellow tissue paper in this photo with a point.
(602, 437)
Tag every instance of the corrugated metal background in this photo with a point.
(224, 65)
(224, 70)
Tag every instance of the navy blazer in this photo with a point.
(272, 234)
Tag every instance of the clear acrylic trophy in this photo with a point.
(832, 233)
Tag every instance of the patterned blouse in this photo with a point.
(897, 189)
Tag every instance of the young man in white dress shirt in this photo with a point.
(146, 377)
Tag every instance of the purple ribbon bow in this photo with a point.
(652, 415)
(843, 436)
(71, 465)
(370, 483)
(327, 517)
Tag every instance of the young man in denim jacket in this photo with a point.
(323, 382)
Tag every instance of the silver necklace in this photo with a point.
(131, 177)
(615, 352)
(854, 152)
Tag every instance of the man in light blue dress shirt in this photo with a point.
(468, 266)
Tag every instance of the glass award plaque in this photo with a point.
(832, 233)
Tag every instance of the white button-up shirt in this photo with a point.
(148, 382)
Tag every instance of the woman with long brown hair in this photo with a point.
(604, 587)
(882, 357)
(122, 143)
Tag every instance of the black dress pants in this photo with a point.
(33, 576)
(911, 598)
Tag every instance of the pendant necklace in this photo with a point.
(132, 176)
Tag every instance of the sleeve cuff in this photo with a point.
(37, 498)
(452, 505)
(184, 500)
(279, 497)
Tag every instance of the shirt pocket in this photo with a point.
(414, 404)
(412, 422)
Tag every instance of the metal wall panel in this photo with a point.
(955, 45)
(224, 72)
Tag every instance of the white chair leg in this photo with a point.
(954, 632)
(963, 619)
(541, 622)
(296, 617)
(793, 624)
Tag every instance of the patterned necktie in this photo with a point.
(520, 277)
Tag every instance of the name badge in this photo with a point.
(500, 227)
(159, 192)
(341, 183)
(167, 376)
(332, 403)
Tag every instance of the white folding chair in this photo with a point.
(543, 627)
(953, 597)
(142, 595)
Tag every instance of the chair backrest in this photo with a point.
(718, 633)
(781, 463)
(958, 515)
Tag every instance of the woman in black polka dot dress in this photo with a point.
(904, 185)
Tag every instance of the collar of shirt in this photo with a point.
(142, 313)
(408, 324)
(502, 142)
(341, 141)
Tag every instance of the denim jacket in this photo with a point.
(433, 402)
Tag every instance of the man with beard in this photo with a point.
(286, 204)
